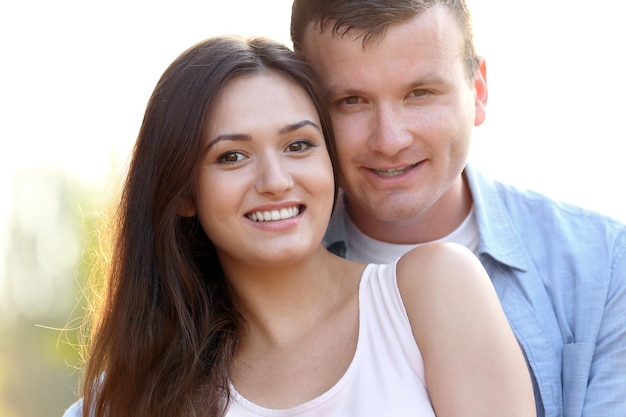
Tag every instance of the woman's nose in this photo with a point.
(273, 176)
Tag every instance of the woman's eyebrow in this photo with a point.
(241, 137)
(298, 125)
(237, 137)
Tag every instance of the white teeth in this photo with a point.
(274, 215)
(392, 172)
(389, 172)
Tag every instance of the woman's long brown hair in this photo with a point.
(163, 340)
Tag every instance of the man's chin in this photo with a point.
(390, 211)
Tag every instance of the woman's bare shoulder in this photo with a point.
(439, 264)
(442, 282)
(462, 333)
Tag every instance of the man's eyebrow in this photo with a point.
(339, 90)
(426, 79)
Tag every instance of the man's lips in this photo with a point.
(393, 172)
(275, 214)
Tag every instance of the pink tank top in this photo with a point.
(386, 376)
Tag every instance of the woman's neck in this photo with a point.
(280, 302)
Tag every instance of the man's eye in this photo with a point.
(231, 157)
(351, 100)
(420, 92)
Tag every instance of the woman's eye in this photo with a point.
(231, 157)
(299, 146)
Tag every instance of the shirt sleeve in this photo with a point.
(606, 390)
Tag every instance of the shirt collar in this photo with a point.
(498, 237)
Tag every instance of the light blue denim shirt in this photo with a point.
(560, 273)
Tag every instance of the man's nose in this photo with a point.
(390, 134)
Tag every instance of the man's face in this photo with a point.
(403, 110)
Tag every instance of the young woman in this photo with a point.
(221, 299)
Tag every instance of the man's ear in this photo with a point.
(186, 208)
(481, 95)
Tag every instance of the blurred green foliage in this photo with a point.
(52, 223)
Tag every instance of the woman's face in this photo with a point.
(265, 185)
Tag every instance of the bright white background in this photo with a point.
(75, 77)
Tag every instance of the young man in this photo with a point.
(405, 88)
